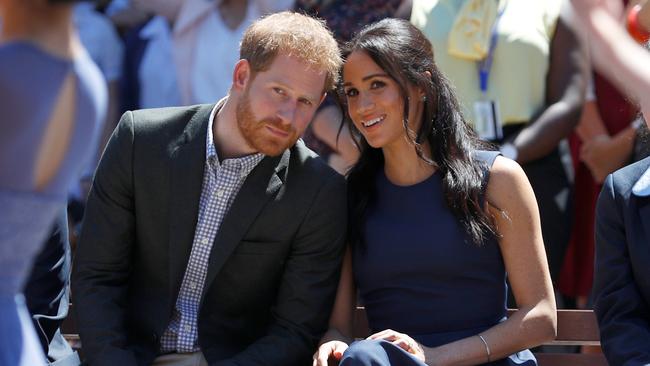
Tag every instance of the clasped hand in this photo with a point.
(333, 350)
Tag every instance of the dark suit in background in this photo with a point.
(47, 292)
(273, 269)
(622, 273)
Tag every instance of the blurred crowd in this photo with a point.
(522, 71)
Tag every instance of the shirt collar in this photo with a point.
(158, 26)
(245, 163)
(642, 186)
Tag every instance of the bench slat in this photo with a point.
(570, 359)
(575, 327)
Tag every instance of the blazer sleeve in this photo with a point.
(620, 309)
(308, 285)
(102, 263)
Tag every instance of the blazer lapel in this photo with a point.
(644, 214)
(186, 180)
(261, 185)
(641, 191)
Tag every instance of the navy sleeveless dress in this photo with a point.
(418, 272)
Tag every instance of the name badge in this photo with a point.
(487, 120)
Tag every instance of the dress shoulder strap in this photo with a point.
(485, 158)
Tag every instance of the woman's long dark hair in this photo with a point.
(404, 53)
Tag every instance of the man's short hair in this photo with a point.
(296, 35)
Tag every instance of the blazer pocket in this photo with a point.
(259, 247)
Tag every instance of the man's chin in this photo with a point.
(270, 149)
(270, 145)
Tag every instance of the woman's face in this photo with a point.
(375, 104)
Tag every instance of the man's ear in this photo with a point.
(241, 76)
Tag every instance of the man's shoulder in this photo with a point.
(165, 115)
(168, 120)
(625, 179)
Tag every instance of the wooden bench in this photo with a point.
(574, 328)
(69, 331)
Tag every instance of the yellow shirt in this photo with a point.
(517, 78)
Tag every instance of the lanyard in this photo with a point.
(485, 64)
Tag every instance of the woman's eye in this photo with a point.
(377, 84)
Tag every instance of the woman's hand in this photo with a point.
(401, 340)
(329, 350)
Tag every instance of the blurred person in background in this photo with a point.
(149, 78)
(603, 142)
(105, 47)
(47, 293)
(621, 289)
(519, 73)
(53, 99)
(124, 16)
(185, 53)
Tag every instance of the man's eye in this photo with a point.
(306, 102)
(279, 91)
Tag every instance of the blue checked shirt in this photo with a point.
(221, 182)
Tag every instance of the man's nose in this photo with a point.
(287, 113)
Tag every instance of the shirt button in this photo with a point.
(187, 328)
(205, 241)
(220, 193)
(192, 285)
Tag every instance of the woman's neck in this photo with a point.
(403, 166)
(49, 27)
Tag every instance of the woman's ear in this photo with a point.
(423, 95)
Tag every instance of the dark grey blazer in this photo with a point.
(622, 273)
(274, 265)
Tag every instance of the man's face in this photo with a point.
(277, 104)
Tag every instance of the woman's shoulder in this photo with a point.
(507, 180)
